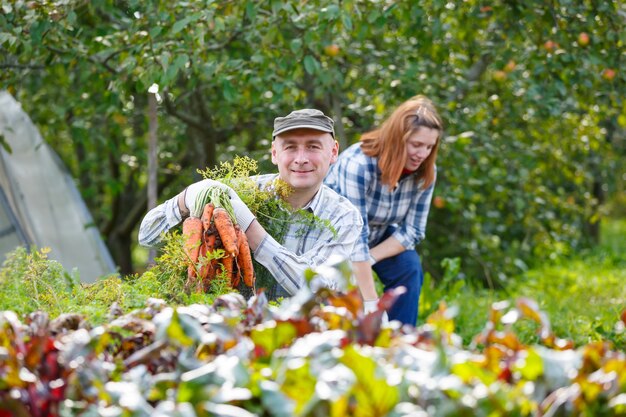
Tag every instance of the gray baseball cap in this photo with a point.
(304, 119)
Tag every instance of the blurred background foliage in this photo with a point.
(532, 93)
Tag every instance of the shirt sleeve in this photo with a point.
(288, 268)
(413, 230)
(351, 181)
(158, 221)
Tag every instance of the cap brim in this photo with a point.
(303, 126)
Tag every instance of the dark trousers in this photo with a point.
(404, 269)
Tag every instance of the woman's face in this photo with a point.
(419, 146)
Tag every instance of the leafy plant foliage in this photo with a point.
(315, 354)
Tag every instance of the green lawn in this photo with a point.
(583, 296)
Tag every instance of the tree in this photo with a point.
(525, 102)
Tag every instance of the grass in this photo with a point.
(583, 296)
(30, 281)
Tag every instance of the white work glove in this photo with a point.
(243, 215)
(370, 306)
(191, 193)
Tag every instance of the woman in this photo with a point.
(390, 176)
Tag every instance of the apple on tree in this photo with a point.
(583, 39)
(332, 50)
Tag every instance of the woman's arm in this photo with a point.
(365, 280)
(386, 249)
(413, 229)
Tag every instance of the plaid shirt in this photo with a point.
(356, 176)
(301, 248)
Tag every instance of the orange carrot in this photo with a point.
(192, 233)
(210, 239)
(225, 228)
(236, 278)
(195, 281)
(207, 272)
(207, 216)
(244, 259)
(228, 263)
(204, 271)
(217, 267)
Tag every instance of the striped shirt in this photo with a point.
(301, 247)
(356, 176)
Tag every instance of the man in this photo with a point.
(303, 148)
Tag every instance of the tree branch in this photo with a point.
(26, 66)
(222, 45)
(183, 117)
(89, 58)
(112, 54)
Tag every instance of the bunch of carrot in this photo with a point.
(215, 245)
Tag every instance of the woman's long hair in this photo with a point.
(388, 142)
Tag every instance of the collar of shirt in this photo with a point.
(314, 206)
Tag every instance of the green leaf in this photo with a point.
(219, 24)
(332, 11)
(37, 30)
(155, 31)
(277, 6)
(373, 16)
(347, 21)
(181, 24)
(176, 332)
(172, 71)
(272, 335)
(561, 88)
(469, 372)
(181, 61)
(228, 90)
(165, 60)
(278, 88)
(295, 45)
(371, 391)
(310, 64)
(452, 267)
(299, 384)
(71, 17)
(208, 69)
(531, 367)
(251, 10)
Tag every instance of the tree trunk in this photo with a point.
(210, 150)
(153, 124)
(593, 226)
(120, 245)
(340, 133)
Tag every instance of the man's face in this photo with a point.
(303, 157)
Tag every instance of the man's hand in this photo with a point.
(243, 214)
(191, 193)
